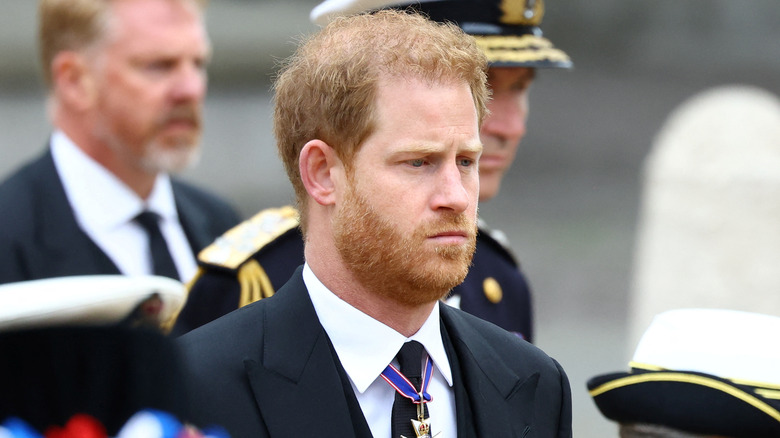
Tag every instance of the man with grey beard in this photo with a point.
(127, 80)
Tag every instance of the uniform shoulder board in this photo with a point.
(241, 242)
(499, 240)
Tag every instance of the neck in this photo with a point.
(140, 181)
(331, 271)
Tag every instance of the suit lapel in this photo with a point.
(63, 245)
(295, 379)
(193, 221)
(501, 401)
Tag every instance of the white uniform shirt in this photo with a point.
(105, 207)
(365, 347)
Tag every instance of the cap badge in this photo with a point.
(522, 12)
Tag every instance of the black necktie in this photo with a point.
(161, 257)
(404, 410)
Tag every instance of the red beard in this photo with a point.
(407, 269)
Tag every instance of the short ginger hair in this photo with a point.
(327, 89)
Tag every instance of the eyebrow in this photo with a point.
(475, 147)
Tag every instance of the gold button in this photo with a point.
(492, 290)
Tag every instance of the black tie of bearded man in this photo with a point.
(405, 412)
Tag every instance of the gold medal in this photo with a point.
(422, 426)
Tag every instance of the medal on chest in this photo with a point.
(422, 424)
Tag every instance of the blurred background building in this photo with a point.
(569, 205)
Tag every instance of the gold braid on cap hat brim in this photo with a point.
(523, 48)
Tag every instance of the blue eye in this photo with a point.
(466, 162)
(417, 163)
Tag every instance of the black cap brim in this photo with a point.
(688, 401)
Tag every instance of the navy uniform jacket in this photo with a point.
(257, 257)
(269, 370)
(40, 238)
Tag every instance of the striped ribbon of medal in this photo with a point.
(393, 376)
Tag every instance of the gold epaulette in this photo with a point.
(240, 243)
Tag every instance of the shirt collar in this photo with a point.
(161, 199)
(100, 200)
(364, 345)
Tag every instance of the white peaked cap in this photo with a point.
(326, 11)
(730, 344)
(91, 299)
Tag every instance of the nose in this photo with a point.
(508, 114)
(190, 83)
(451, 191)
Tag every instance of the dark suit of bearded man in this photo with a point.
(40, 237)
(269, 370)
(389, 220)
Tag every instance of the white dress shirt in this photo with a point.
(365, 347)
(105, 207)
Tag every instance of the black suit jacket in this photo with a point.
(268, 370)
(40, 238)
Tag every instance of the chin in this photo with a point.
(172, 159)
(488, 193)
(489, 185)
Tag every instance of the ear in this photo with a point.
(320, 170)
(73, 80)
